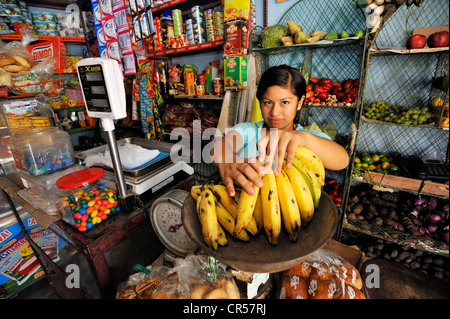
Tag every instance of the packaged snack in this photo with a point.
(323, 275)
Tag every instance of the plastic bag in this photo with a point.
(198, 277)
(323, 275)
(141, 285)
(19, 71)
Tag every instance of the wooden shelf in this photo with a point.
(404, 184)
(191, 48)
(401, 51)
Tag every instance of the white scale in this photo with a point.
(101, 81)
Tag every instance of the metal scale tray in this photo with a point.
(143, 170)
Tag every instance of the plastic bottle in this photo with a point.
(164, 83)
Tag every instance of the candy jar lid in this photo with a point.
(79, 178)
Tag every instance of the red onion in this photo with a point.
(445, 235)
(432, 228)
(422, 231)
(436, 217)
(432, 203)
(420, 201)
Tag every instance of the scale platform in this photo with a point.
(151, 176)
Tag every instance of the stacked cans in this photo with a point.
(209, 14)
(218, 25)
(197, 25)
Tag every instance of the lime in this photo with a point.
(375, 157)
(344, 34)
(366, 158)
(357, 160)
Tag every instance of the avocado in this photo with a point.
(344, 34)
(332, 36)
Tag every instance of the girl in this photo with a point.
(249, 150)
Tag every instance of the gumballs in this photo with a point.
(94, 213)
(105, 202)
(83, 224)
(107, 211)
(110, 194)
(111, 200)
(77, 216)
(84, 217)
(82, 211)
(100, 214)
(91, 203)
(104, 217)
(82, 228)
(89, 225)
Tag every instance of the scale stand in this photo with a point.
(108, 127)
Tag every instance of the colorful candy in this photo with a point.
(86, 208)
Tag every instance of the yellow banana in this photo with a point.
(208, 219)
(230, 204)
(246, 206)
(196, 191)
(271, 207)
(227, 221)
(313, 161)
(302, 193)
(257, 214)
(311, 179)
(223, 241)
(290, 213)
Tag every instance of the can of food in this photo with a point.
(182, 42)
(197, 11)
(209, 12)
(200, 90)
(173, 43)
(201, 79)
(217, 86)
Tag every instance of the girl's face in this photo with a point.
(279, 106)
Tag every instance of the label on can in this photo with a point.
(217, 86)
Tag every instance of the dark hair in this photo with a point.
(282, 75)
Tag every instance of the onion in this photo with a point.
(432, 228)
(432, 203)
(420, 201)
(436, 217)
(445, 235)
(422, 231)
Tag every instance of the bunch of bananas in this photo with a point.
(289, 199)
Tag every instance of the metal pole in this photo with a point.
(117, 165)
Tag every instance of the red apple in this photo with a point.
(417, 41)
(438, 39)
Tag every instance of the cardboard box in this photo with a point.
(236, 9)
(189, 84)
(235, 73)
(236, 35)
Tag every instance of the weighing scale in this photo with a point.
(101, 81)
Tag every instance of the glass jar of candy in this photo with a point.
(43, 150)
(87, 198)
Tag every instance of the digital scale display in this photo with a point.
(94, 88)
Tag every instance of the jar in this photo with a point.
(42, 150)
(217, 86)
(87, 198)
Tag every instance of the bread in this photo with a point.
(22, 61)
(351, 276)
(294, 287)
(6, 60)
(319, 289)
(321, 272)
(5, 79)
(303, 270)
(351, 293)
(14, 68)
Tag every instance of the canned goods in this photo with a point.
(182, 42)
(217, 86)
(209, 12)
(173, 43)
(197, 11)
(200, 90)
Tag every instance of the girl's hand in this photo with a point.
(275, 144)
(241, 171)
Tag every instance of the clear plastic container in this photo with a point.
(42, 150)
(44, 184)
(87, 198)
